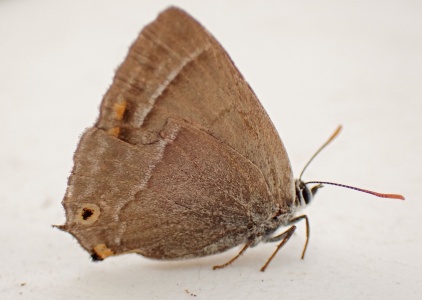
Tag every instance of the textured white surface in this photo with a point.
(313, 64)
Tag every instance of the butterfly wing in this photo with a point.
(183, 152)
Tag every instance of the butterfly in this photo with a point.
(183, 161)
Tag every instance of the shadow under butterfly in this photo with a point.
(183, 160)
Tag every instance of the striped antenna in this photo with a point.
(382, 195)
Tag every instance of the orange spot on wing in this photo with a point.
(102, 251)
(114, 131)
(119, 110)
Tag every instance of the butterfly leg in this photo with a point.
(295, 220)
(285, 236)
(233, 259)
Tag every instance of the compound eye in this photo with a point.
(306, 194)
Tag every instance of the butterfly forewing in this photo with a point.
(183, 160)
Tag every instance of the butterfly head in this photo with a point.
(304, 195)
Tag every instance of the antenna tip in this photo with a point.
(395, 196)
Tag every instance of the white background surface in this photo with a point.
(313, 64)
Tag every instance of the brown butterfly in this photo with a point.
(183, 161)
